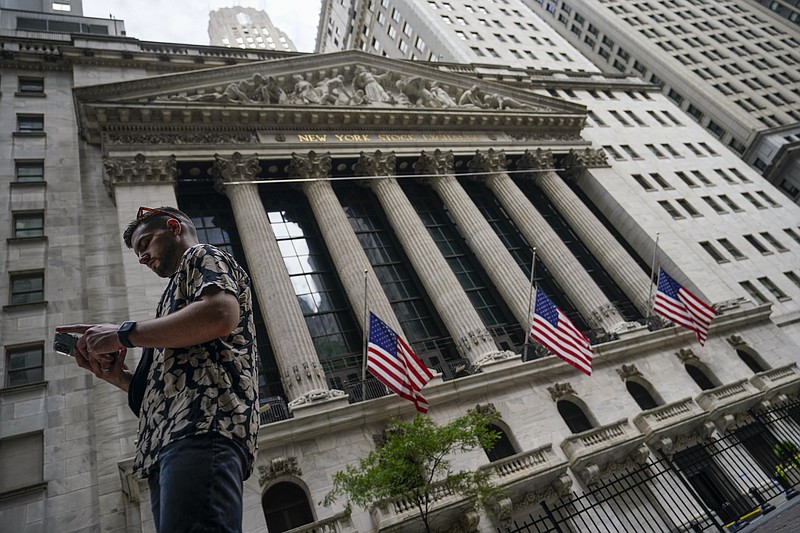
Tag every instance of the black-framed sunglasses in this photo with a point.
(144, 211)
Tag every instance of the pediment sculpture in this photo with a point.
(361, 87)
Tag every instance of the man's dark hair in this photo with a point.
(156, 218)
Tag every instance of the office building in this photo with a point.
(417, 190)
(245, 27)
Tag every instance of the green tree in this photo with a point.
(411, 461)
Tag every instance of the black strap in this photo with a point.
(139, 382)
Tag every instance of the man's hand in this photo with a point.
(93, 354)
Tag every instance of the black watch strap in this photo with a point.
(123, 331)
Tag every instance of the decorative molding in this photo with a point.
(490, 160)
(278, 467)
(209, 137)
(593, 473)
(376, 164)
(436, 162)
(687, 355)
(575, 162)
(560, 390)
(487, 409)
(727, 305)
(311, 166)
(139, 170)
(737, 341)
(473, 338)
(628, 371)
(315, 396)
(546, 136)
(238, 168)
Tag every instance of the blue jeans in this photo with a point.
(197, 484)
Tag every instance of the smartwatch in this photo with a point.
(123, 331)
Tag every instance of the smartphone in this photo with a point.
(64, 343)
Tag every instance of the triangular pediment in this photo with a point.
(342, 88)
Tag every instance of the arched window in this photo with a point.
(576, 419)
(751, 360)
(286, 507)
(503, 447)
(699, 377)
(641, 395)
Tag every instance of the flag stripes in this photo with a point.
(679, 305)
(552, 329)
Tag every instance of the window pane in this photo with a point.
(30, 171)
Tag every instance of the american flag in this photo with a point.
(675, 303)
(553, 330)
(395, 364)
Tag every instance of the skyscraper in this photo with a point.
(245, 27)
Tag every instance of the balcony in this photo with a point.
(661, 425)
(400, 514)
(590, 450)
(532, 472)
(784, 380)
(721, 403)
(340, 523)
(273, 409)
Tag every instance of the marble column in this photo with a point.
(303, 378)
(593, 305)
(605, 248)
(348, 256)
(472, 339)
(133, 183)
(511, 282)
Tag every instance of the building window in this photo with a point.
(675, 96)
(30, 123)
(28, 225)
(775, 243)
(25, 365)
(686, 179)
(631, 152)
(597, 120)
(689, 207)
(730, 203)
(643, 182)
(641, 395)
(757, 244)
(753, 201)
(794, 278)
(757, 296)
(29, 171)
(713, 252)
(21, 461)
(286, 507)
(703, 179)
(714, 205)
(773, 289)
(655, 151)
(574, 416)
(62, 6)
(738, 174)
(503, 447)
(660, 180)
(721, 173)
(27, 288)
(31, 86)
(668, 207)
(767, 198)
(613, 153)
(793, 234)
(733, 250)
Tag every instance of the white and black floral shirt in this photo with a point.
(208, 387)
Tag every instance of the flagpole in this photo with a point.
(652, 273)
(530, 303)
(365, 331)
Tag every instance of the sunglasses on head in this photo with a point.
(144, 211)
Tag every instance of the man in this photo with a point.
(198, 409)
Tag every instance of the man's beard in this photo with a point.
(167, 261)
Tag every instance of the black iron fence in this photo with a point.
(719, 484)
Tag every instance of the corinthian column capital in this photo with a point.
(438, 162)
(376, 164)
(310, 166)
(577, 161)
(238, 168)
(139, 170)
(488, 161)
(538, 160)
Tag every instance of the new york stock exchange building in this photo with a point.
(349, 182)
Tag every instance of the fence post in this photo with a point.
(550, 516)
(688, 487)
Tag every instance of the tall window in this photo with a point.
(753, 362)
(573, 415)
(493, 312)
(30, 123)
(27, 225)
(24, 365)
(29, 171)
(700, 377)
(336, 337)
(286, 507)
(641, 395)
(503, 447)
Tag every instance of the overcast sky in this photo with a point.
(186, 21)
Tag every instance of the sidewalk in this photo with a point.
(784, 519)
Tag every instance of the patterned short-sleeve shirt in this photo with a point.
(211, 387)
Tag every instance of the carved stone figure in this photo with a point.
(442, 96)
(471, 98)
(332, 91)
(304, 92)
(414, 88)
(366, 81)
(495, 101)
(272, 93)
